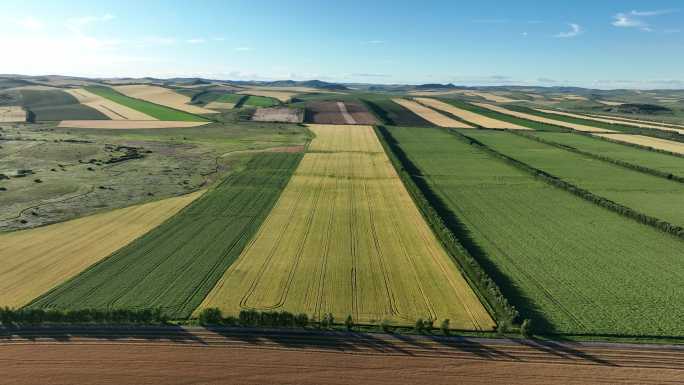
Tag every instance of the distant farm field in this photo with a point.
(155, 110)
(571, 266)
(648, 194)
(175, 265)
(258, 101)
(50, 105)
(432, 116)
(481, 120)
(393, 114)
(34, 261)
(651, 159)
(346, 238)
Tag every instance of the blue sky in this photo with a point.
(602, 44)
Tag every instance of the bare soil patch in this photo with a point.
(279, 114)
(359, 113)
(324, 113)
(12, 114)
(127, 124)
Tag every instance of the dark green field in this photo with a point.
(154, 110)
(175, 265)
(51, 105)
(647, 194)
(503, 117)
(569, 265)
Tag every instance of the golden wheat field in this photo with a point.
(657, 143)
(430, 115)
(346, 238)
(12, 114)
(541, 119)
(612, 121)
(111, 109)
(36, 260)
(163, 96)
(469, 116)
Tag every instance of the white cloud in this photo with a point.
(524, 34)
(196, 41)
(30, 23)
(76, 24)
(575, 30)
(243, 49)
(633, 19)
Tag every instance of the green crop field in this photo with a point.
(49, 105)
(393, 114)
(259, 101)
(651, 159)
(175, 265)
(231, 98)
(647, 194)
(569, 265)
(154, 110)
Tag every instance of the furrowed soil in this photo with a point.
(35, 261)
(540, 119)
(359, 113)
(174, 266)
(647, 141)
(346, 238)
(162, 96)
(480, 120)
(202, 357)
(566, 263)
(429, 114)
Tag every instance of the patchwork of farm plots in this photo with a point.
(647, 194)
(162, 96)
(429, 114)
(113, 110)
(156, 111)
(610, 121)
(174, 266)
(346, 238)
(34, 261)
(645, 158)
(50, 105)
(647, 141)
(571, 266)
(542, 119)
(469, 116)
(393, 114)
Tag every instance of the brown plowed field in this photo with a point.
(330, 113)
(198, 356)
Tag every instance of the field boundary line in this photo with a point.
(485, 288)
(628, 165)
(601, 201)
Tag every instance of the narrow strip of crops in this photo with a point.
(174, 266)
(569, 265)
(155, 110)
(537, 126)
(640, 159)
(650, 195)
(391, 113)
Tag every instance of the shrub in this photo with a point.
(445, 327)
(210, 316)
(526, 329)
(349, 322)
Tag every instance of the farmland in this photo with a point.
(259, 101)
(610, 121)
(650, 159)
(155, 110)
(161, 96)
(647, 141)
(176, 264)
(469, 116)
(49, 105)
(35, 261)
(648, 194)
(548, 120)
(542, 244)
(393, 114)
(504, 117)
(429, 114)
(337, 112)
(346, 210)
(12, 114)
(108, 107)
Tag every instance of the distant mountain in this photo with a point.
(434, 86)
(293, 83)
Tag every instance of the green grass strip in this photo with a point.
(154, 110)
(174, 266)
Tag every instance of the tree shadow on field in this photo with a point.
(68, 333)
(525, 305)
(562, 350)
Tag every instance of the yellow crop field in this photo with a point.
(283, 96)
(12, 114)
(611, 121)
(346, 238)
(661, 144)
(34, 261)
(163, 96)
(469, 116)
(429, 114)
(110, 108)
(128, 124)
(662, 125)
(522, 115)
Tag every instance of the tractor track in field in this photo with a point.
(442, 348)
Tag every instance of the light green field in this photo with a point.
(571, 266)
(259, 101)
(647, 194)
